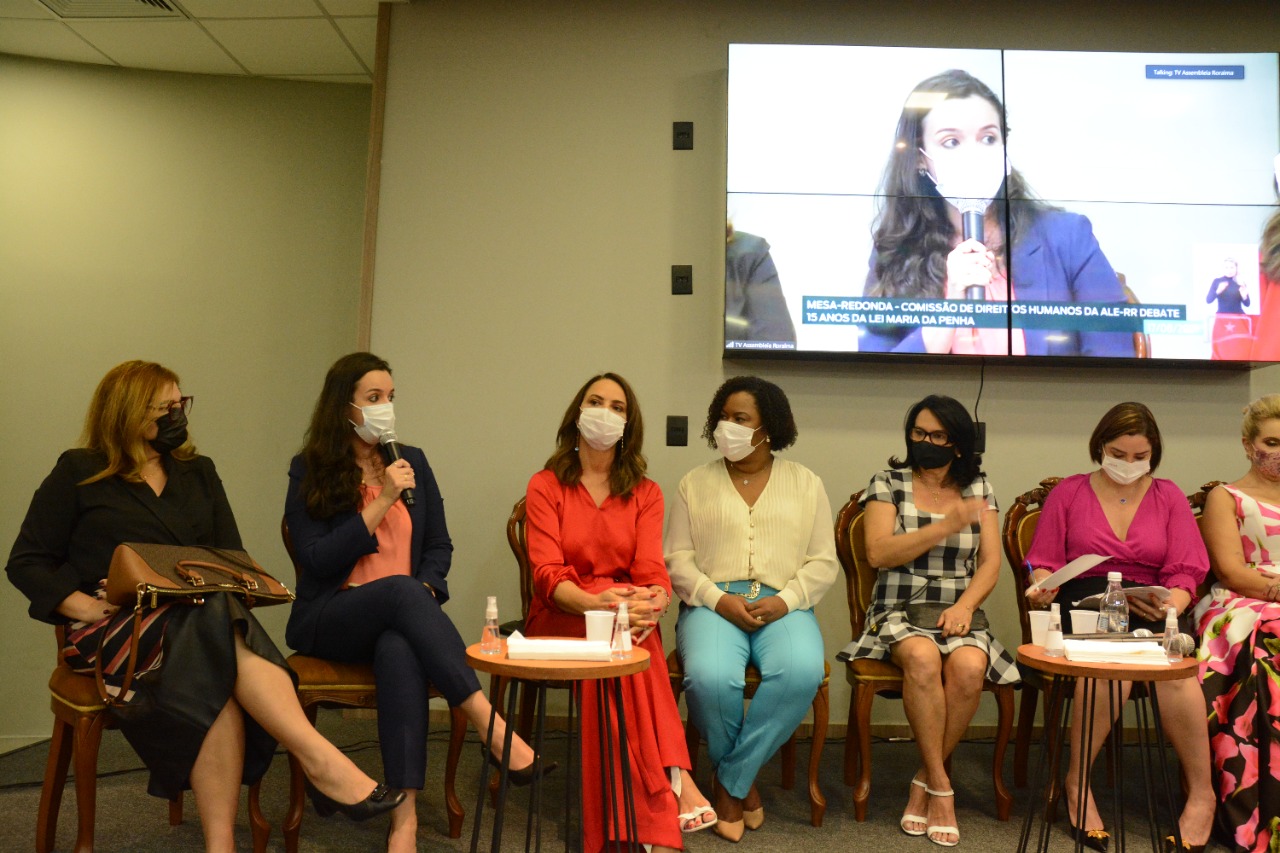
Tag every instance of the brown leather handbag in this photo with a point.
(145, 576)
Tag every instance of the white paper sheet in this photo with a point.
(1093, 601)
(1070, 571)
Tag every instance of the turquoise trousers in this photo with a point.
(715, 653)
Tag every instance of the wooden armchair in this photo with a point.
(1018, 531)
(328, 684)
(871, 677)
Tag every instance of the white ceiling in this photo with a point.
(321, 40)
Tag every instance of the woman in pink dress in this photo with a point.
(1239, 625)
(594, 534)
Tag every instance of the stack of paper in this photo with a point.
(1092, 602)
(520, 647)
(1107, 651)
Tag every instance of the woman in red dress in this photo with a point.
(594, 530)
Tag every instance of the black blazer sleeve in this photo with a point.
(39, 563)
(432, 547)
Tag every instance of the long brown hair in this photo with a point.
(119, 413)
(1271, 248)
(912, 233)
(629, 465)
(332, 482)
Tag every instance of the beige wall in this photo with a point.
(208, 223)
(531, 207)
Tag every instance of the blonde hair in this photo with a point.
(1261, 409)
(119, 413)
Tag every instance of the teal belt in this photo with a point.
(748, 589)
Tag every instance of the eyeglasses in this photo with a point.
(938, 437)
(184, 403)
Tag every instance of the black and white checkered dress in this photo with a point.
(939, 575)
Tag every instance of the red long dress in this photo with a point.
(571, 540)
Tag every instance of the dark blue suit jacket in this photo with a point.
(1058, 260)
(327, 549)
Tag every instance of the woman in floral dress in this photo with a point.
(1239, 625)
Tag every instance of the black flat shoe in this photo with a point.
(1171, 846)
(1094, 839)
(381, 801)
(525, 775)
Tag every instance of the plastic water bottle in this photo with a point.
(1053, 639)
(1113, 612)
(490, 637)
(622, 634)
(1172, 645)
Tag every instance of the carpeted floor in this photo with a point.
(129, 820)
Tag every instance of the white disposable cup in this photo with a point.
(1084, 621)
(600, 625)
(1039, 626)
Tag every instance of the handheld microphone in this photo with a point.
(971, 212)
(391, 445)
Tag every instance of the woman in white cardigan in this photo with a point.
(750, 550)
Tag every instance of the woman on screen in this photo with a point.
(949, 155)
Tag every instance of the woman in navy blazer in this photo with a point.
(372, 576)
(949, 150)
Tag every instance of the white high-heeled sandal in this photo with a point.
(687, 825)
(914, 818)
(951, 830)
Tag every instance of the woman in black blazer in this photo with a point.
(373, 575)
(205, 714)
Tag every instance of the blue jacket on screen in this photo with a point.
(1058, 260)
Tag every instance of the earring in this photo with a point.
(622, 444)
(766, 439)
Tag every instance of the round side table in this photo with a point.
(538, 675)
(1150, 737)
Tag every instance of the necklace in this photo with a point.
(746, 481)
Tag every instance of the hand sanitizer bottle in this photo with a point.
(1172, 646)
(490, 638)
(1053, 640)
(622, 633)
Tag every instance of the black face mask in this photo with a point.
(172, 432)
(928, 455)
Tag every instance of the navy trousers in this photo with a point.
(397, 625)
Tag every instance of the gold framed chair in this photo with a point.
(871, 677)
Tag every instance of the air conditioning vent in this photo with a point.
(113, 9)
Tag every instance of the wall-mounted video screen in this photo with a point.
(998, 202)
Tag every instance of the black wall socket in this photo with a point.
(681, 136)
(677, 431)
(681, 279)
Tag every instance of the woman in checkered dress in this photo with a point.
(932, 529)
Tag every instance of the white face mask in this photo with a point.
(1123, 472)
(970, 172)
(734, 440)
(600, 428)
(377, 420)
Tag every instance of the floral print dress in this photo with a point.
(1240, 672)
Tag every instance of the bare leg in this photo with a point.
(1182, 713)
(922, 696)
(215, 779)
(1103, 717)
(266, 693)
(477, 708)
(403, 837)
(962, 674)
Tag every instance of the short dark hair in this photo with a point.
(1126, 419)
(775, 410)
(955, 419)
